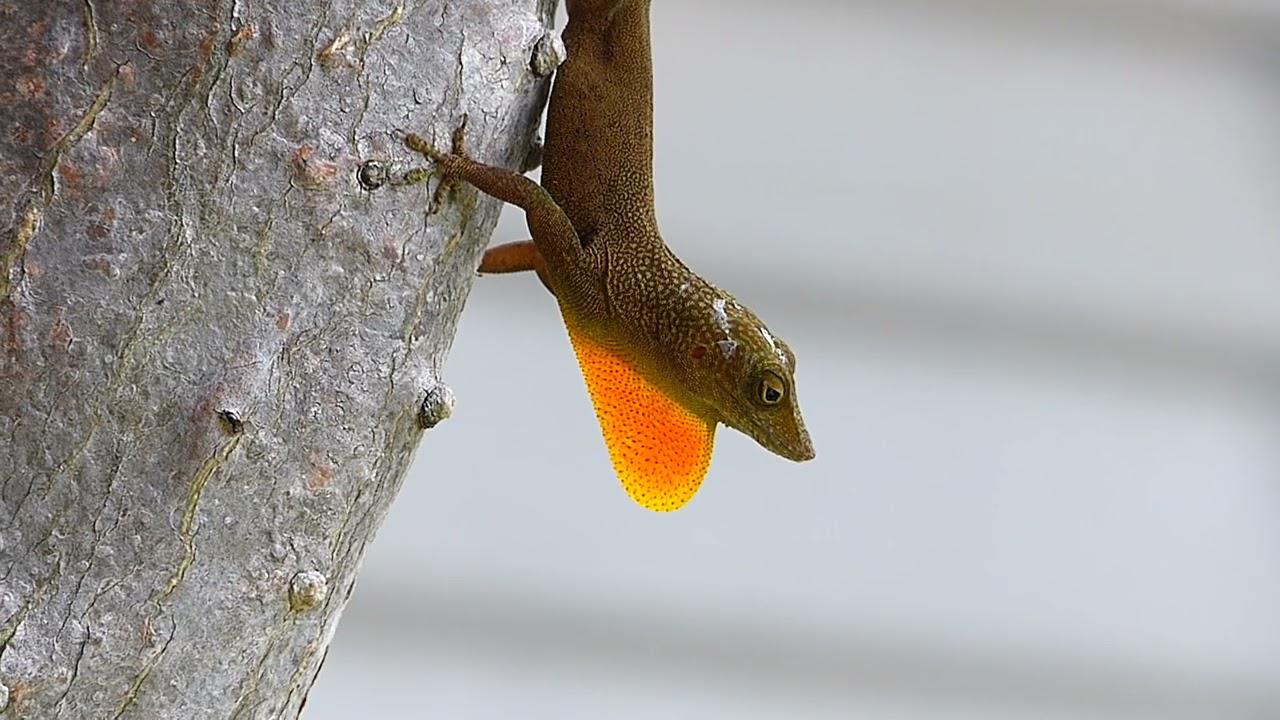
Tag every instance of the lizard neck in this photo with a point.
(598, 158)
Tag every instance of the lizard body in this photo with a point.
(665, 354)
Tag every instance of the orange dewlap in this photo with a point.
(660, 450)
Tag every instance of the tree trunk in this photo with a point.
(221, 325)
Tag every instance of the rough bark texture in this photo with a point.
(214, 342)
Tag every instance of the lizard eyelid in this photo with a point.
(771, 388)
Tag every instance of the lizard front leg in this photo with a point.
(515, 257)
(556, 240)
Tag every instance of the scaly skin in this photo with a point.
(666, 354)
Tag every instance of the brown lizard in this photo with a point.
(665, 354)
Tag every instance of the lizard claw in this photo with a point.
(419, 144)
(460, 138)
(446, 161)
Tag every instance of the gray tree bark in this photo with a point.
(218, 345)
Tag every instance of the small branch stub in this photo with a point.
(373, 175)
(548, 53)
(231, 422)
(437, 405)
(308, 590)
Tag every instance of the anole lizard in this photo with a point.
(666, 355)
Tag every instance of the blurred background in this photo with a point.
(1028, 254)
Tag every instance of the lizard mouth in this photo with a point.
(799, 450)
(806, 453)
(789, 439)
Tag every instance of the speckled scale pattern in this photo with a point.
(602, 99)
(659, 449)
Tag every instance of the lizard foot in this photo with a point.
(447, 161)
(449, 164)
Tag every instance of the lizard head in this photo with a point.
(659, 418)
(748, 376)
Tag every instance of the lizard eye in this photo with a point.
(772, 389)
